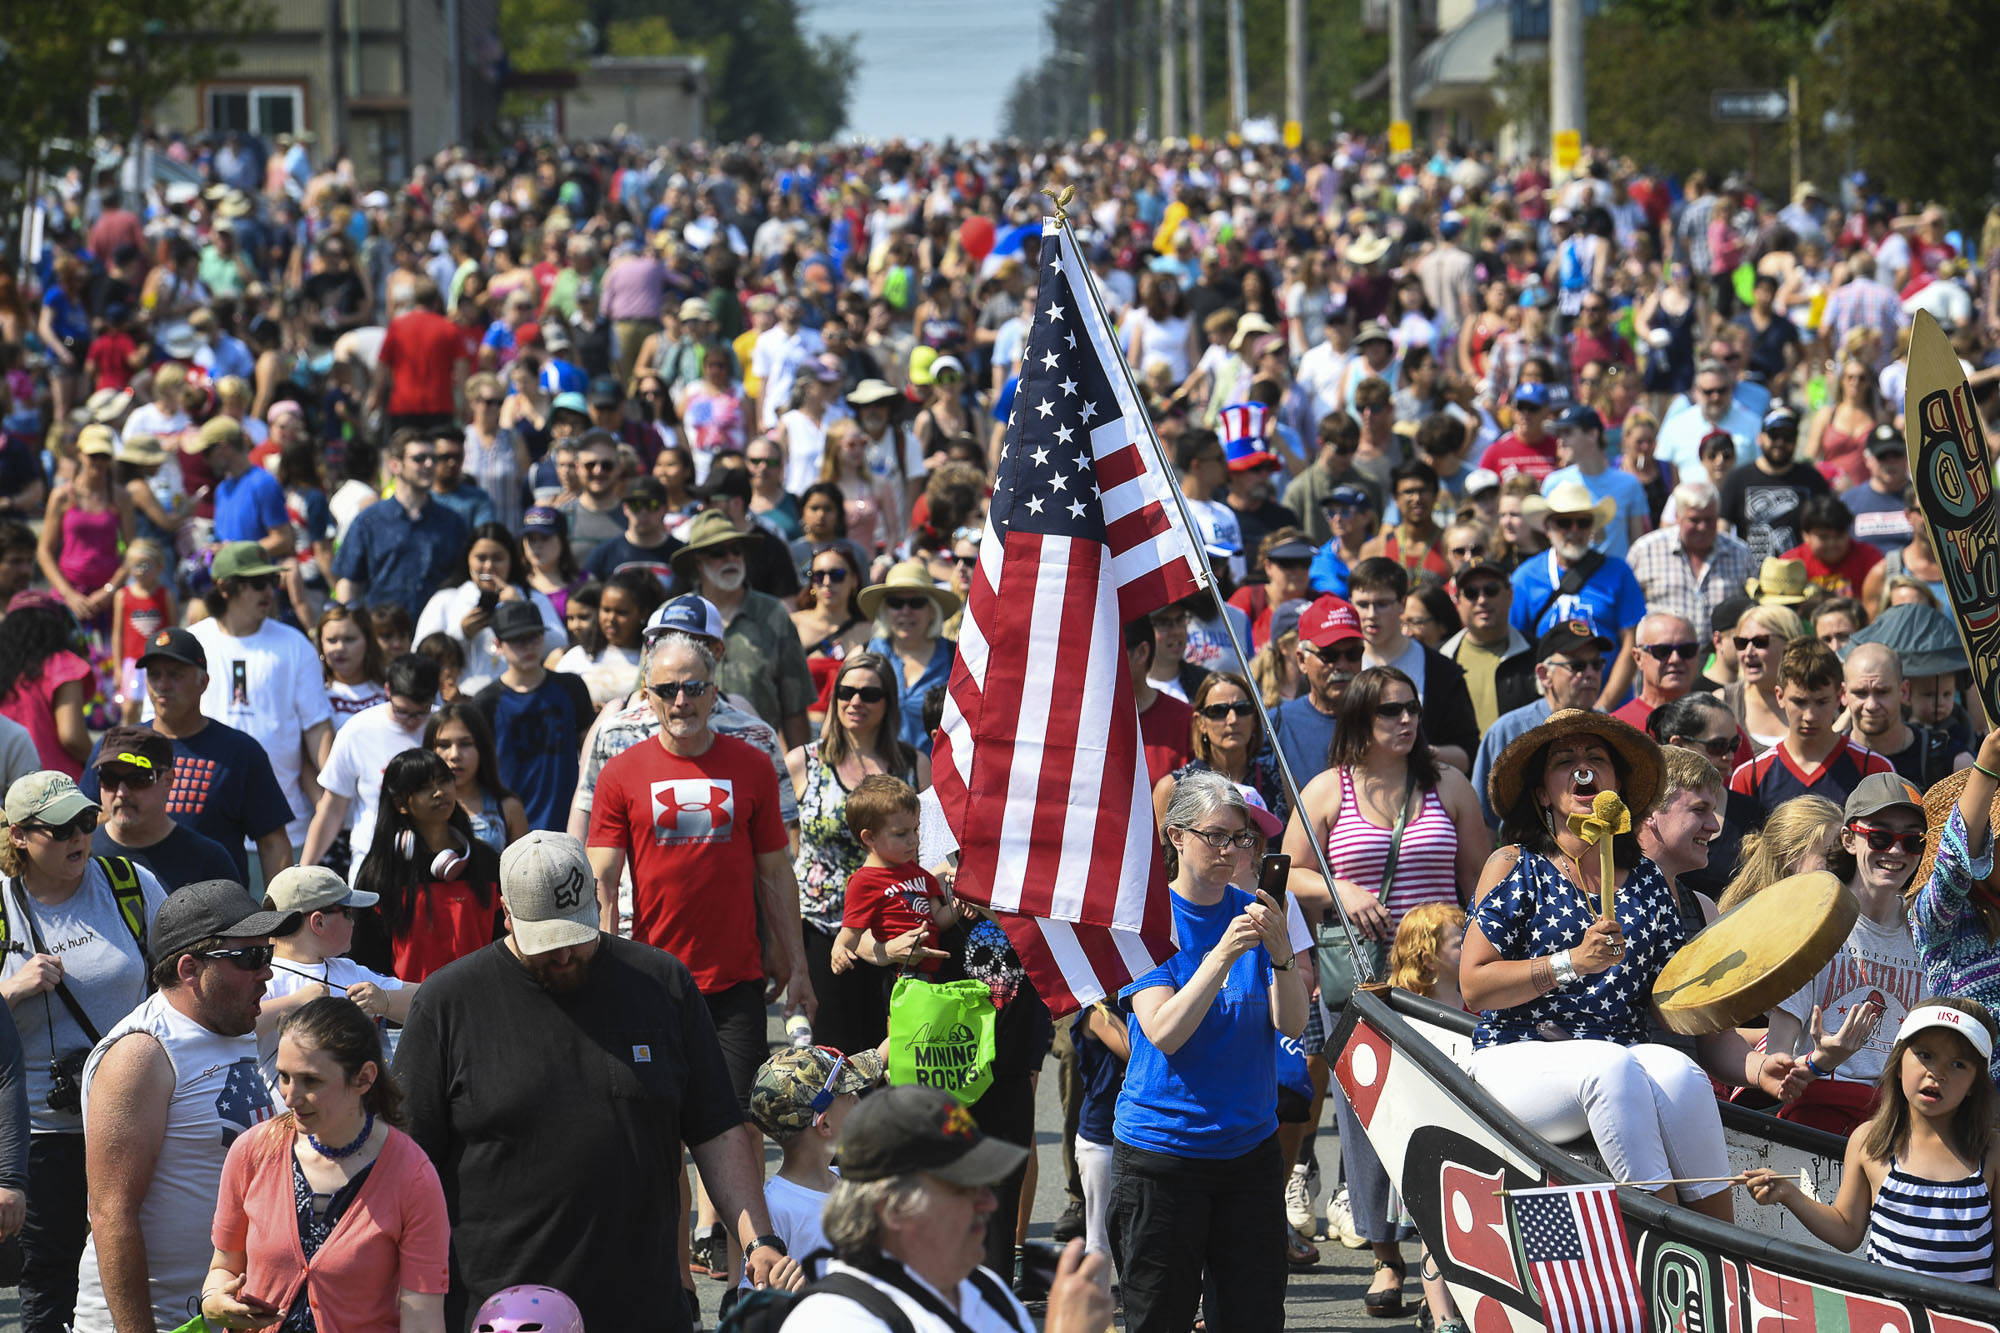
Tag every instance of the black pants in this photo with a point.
(1175, 1218)
(1007, 1112)
(853, 1006)
(53, 1235)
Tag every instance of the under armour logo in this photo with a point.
(693, 809)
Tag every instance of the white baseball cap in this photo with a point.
(312, 889)
(1964, 1024)
(550, 892)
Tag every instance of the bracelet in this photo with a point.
(1542, 973)
(1565, 970)
(1814, 1069)
(1987, 771)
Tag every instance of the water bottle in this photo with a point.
(799, 1030)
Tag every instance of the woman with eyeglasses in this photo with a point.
(944, 416)
(495, 572)
(496, 456)
(1383, 787)
(1430, 616)
(829, 620)
(1227, 738)
(859, 740)
(437, 882)
(56, 895)
(658, 420)
(1200, 1194)
(909, 612)
(1760, 638)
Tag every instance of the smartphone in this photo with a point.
(488, 598)
(1272, 877)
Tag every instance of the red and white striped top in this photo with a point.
(1426, 867)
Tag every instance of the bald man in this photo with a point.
(1877, 699)
(1668, 654)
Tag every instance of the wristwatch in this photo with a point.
(1287, 965)
(765, 1242)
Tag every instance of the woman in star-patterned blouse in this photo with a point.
(1563, 990)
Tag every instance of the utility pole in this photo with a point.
(1195, 121)
(1170, 91)
(1239, 80)
(1295, 62)
(1566, 87)
(1399, 61)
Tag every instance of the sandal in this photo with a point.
(1299, 1252)
(1387, 1304)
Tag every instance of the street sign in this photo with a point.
(1568, 149)
(1751, 106)
(1399, 136)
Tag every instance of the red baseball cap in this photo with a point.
(1328, 620)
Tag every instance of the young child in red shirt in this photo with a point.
(895, 909)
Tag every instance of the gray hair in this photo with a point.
(677, 639)
(1695, 494)
(1203, 793)
(1710, 366)
(855, 1210)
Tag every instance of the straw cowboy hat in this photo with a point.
(1780, 582)
(1570, 498)
(1636, 751)
(1366, 250)
(1939, 802)
(909, 576)
(872, 391)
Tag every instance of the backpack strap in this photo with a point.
(868, 1296)
(131, 896)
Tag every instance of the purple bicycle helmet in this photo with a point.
(528, 1309)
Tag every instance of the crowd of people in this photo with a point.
(527, 592)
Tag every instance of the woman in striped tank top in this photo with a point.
(1379, 767)
(1921, 1176)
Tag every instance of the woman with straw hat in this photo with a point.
(1565, 988)
(1955, 910)
(909, 611)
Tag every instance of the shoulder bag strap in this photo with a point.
(1572, 583)
(869, 1297)
(70, 1002)
(1396, 834)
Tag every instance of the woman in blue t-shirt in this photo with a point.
(1197, 1119)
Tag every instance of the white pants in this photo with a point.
(1650, 1108)
(1093, 1164)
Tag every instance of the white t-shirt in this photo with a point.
(271, 686)
(795, 1218)
(361, 750)
(339, 974)
(824, 1312)
(445, 613)
(612, 674)
(1877, 963)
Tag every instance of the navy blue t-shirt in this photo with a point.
(1102, 1074)
(181, 858)
(619, 553)
(537, 736)
(1217, 1096)
(223, 789)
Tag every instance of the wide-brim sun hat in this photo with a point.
(1780, 582)
(872, 391)
(1939, 802)
(710, 529)
(1639, 786)
(1570, 498)
(908, 577)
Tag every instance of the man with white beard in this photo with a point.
(765, 663)
(1573, 580)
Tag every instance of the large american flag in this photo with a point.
(1574, 1242)
(1039, 767)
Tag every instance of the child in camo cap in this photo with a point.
(800, 1100)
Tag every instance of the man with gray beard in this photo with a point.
(1329, 656)
(765, 663)
(1574, 580)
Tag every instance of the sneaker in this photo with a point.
(1340, 1223)
(1298, 1201)
(709, 1253)
(1069, 1226)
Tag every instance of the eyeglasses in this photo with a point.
(1218, 840)
(490, 402)
(1571, 523)
(1581, 668)
(838, 574)
(1716, 392)
(1717, 746)
(1758, 641)
(450, 458)
(1479, 592)
(1403, 710)
(599, 464)
(1367, 409)
(256, 581)
(420, 460)
(752, 461)
(868, 694)
(131, 779)
(1290, 566)
(1660, 652)
(667, 691)
(1881, 839)
(906, 603)
(1347, 655)
(1471, 552)
(1218, 712)
(636, 506)
(249, 958)
(82, 826)
(967, 563)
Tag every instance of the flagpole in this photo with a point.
(1364, 970)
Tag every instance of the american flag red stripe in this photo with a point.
(1579, 1259)
(1039, 766)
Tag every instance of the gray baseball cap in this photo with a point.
(550, 892)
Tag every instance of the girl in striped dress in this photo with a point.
(1920, 1177)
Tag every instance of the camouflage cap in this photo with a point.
(781, 1100)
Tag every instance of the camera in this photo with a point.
(66, 1082)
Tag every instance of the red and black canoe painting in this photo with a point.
(1450, 1148)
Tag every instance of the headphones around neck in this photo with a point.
(446, 865)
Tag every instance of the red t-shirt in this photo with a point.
(109, 356)
(890, 900)
(1254, 600)
(693, 829)
(1165, 730)
(448, 924)
(1844, 579)
(421, 348)
(1510, 455)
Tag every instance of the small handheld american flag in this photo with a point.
(1039, 766)
(1574, 1241)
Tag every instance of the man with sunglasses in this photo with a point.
(1878, 504)
(767, 664)
(1483, 596)
(1580, 433)
(1309, 493)
(1762, 500)
(1712, 405)
(265, 677)
(645, 543)
(165, 1093)
(135, 769)
(450, 486)
(1669, 658)
(596, 515)
(402, 550)
(1574, 578)
(1329, 657)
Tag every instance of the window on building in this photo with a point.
(261, 111)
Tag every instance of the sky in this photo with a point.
(931, 68)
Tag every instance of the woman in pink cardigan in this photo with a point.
(330, 1219)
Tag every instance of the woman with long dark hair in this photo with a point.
(44, 683)
(495, 572)
(439, 885)
(459, 734)
(829, 620)
(1225, 736)
(551, 566)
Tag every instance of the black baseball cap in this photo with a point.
(517, 620)
(1730, 610)
(1578, 416)
(604, 392)
(724, 483)
(174, 645)
(1486, 567)
(895, 1131)
(212, 909)
(1886, 440)
(1569, 635)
